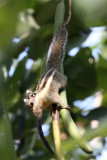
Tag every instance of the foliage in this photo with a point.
(31, 23)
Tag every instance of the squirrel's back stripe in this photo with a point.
(37, 88)
(49, 73)
(44, 79)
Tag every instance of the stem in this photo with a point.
(56, 133)
(72, 129)
(90, 134)
(59, 16)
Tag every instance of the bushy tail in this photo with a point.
(56, 51)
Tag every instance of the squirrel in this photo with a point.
(52, 82)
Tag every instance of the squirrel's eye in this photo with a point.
(34, 94)
(31, 103)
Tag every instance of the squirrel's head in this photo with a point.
(31, 103)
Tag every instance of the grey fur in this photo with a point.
(56, 52)
(52, 81)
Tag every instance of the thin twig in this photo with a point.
(69, 16)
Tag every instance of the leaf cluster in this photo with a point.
(26, 28)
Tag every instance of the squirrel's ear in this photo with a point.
(28, 92)
(34, 94)
(25, 100)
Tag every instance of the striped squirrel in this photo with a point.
(52, 82)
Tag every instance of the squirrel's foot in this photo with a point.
(66, 107)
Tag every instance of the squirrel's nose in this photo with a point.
(31, 103)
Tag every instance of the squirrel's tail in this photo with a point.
(56, 51)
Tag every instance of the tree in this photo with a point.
(25, 30)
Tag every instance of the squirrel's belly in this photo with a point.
(46, 104)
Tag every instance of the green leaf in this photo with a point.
(97, 114)
(81, 75)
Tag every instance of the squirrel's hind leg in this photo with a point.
(58, 100)
(60, 80)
